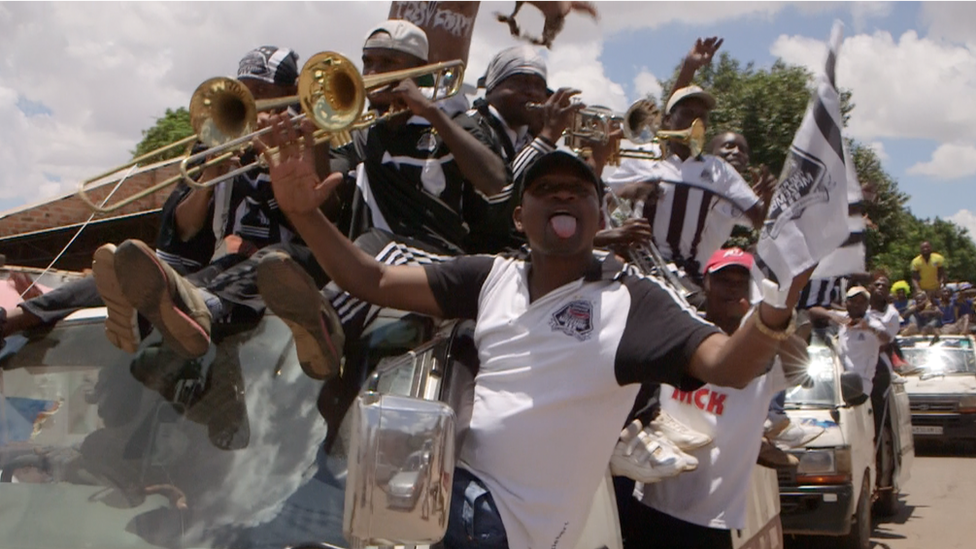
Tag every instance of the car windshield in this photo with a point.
(100, 448)
(818, 388)
(943, 356)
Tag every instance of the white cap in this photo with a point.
(404, 36)
(856, 290)
(687, 92)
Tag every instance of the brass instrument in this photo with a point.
(220, 109)
(330, 90)
(646, 257)
(640, 125)
(333, 93)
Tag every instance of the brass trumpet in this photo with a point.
(333, 93)
(640, 125)
(330, 90)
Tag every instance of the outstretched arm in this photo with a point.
(736, 360)
(700, 55)
(300, 193)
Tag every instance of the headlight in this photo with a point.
(816, 462)
(823, 466)
(967, 403)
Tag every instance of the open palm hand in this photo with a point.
(291, 163)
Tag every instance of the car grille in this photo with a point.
(786, 477)
(932, 405)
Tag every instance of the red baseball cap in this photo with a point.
(727, 257)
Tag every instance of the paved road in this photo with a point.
(938, 503)
(938, 506)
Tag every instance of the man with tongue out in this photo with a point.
(565, 335)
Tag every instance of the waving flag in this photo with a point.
(810, 218)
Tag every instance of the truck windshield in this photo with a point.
(944, 356)
(100, 448)
(819, 388)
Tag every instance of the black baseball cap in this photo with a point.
(555, 159)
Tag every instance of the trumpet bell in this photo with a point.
(222, 109)
(331, 91)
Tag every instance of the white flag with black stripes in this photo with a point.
(810, 216)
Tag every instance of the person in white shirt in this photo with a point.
(700, 508)
(861, 337)
(882, 310)
(691, 202)
(564, 335)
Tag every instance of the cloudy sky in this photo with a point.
(79, 81)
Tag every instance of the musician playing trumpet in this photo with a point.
(414, 172)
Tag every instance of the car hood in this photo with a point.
(941, 385)
(832, 436)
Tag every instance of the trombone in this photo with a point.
(218, 99)
(331, 92)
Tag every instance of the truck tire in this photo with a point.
(860, 535)
(887, 502)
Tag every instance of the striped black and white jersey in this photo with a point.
(413, 186)
(519, 150)
(690, 221)
(822, 292)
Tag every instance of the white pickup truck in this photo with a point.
(101, 448)
(833, 488)
(941, 385)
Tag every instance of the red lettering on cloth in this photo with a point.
(712, 402)
(700, 396)
(681, 396)
(716, 403)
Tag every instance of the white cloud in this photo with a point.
(107, 70)
(949, 161)
(909, 87)
(951, 21)
(966, 219)
(645, 83)
(879, 150)
(862, 12)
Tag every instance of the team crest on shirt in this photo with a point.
(575, 319)
(706, 176)
(427, 142)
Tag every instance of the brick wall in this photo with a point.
(71, 209)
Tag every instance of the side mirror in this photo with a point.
(852, 389)
(401, 465)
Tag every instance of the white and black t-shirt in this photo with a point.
(557, 380)
(687, 222)
(715, 495)
(859, 349)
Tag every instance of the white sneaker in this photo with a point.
(684, 438)
(647, 458)
(796, 436)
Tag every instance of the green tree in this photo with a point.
(764, 105)
(767, 106)
(171, 127)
